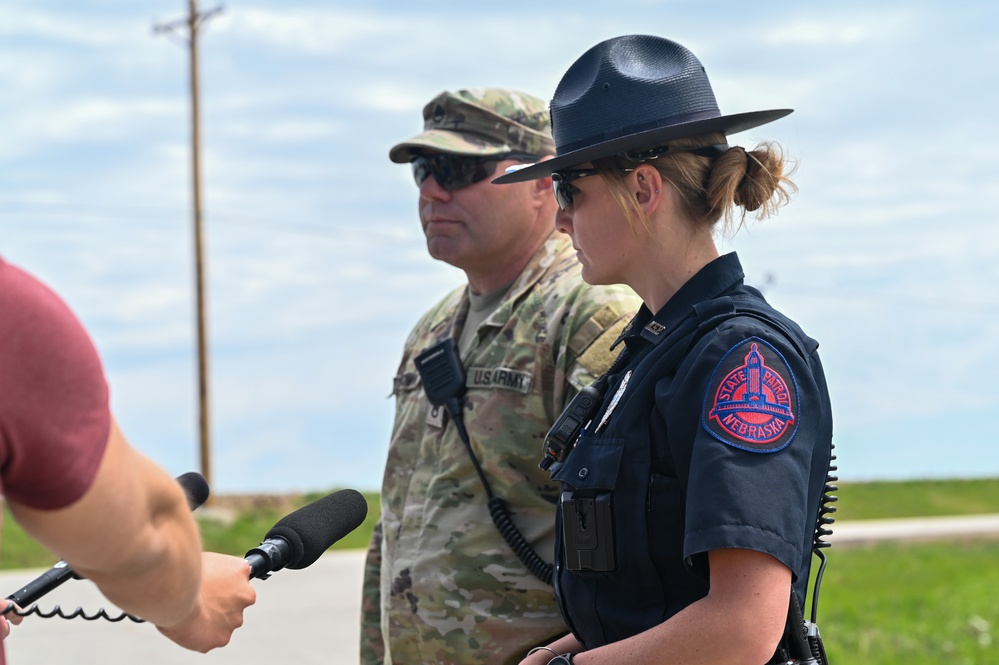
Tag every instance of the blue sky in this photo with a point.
(316, 265)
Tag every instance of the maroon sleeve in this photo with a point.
(54, 408)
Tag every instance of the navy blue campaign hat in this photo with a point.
(630, 93)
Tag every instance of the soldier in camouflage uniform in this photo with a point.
(441, 584)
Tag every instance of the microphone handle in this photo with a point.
(41, 585)
(271, 555)
(60, 572)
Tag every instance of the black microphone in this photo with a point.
(195, 488)
(301, 537)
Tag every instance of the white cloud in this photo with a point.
(316, 265)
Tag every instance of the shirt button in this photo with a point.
(583, 472)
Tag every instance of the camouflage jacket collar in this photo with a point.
(451, 316)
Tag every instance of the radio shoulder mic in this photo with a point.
(301, 537)
(195, 488)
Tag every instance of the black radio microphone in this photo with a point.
(301, 537)
(195, 487)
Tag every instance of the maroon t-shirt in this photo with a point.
(54, 409)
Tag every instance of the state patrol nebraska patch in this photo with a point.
(752, 399)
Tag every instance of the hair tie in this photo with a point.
(749, 166)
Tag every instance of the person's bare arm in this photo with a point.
(739, 621)
(133, 535)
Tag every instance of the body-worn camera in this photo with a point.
(565, 432)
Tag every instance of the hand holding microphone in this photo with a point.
(224, 594)
(295, 541)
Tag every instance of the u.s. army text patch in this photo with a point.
(499, 377)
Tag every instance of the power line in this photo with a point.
(192, 23)
(230, 218)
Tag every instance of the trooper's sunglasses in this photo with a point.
(562, 180)
(564, 189)
(456, 171)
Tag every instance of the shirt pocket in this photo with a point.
(594, 464)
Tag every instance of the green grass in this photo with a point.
(18, 549)
(924, 604)
(917, 498)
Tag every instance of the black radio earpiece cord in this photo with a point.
(802, 643)
(443, 378)
(823, 528)
(497, 506)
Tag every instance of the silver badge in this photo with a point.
(613, 403)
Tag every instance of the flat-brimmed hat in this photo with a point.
(481, 122)
(630, 93)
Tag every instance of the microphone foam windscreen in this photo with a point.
(323, 522)
(195, 487)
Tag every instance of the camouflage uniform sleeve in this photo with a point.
(372, 646)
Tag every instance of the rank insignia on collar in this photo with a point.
(655, 327)
(752, 399)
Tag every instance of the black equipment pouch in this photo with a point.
(588, 531)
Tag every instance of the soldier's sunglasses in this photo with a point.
(454, 172)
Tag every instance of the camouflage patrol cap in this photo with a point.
(482, 122)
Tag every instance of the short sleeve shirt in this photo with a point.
(715, 434)
(54, 406)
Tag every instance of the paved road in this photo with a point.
(307, 616)
(303, 617)
(919, 528)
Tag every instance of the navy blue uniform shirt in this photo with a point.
(717, 433)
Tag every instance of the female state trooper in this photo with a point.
(689, 501)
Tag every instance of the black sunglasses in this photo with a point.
(561, 180)
(454, 172)
(564, 189)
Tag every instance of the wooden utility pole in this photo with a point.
(192, 23)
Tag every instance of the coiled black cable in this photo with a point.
(443, 377)
(823, 530)
(822, 527)
(78, 613)
(497, 506)
(515, 539)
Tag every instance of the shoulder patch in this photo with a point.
(598, 357)
(751, 401)
(593, 328)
